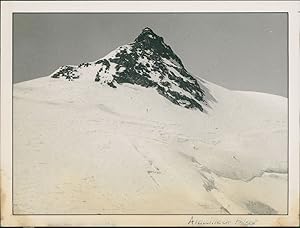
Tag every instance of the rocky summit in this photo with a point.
(147, 62)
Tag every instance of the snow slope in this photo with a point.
(82, 146)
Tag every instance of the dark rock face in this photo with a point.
(149, 40)
(147, 62)
(69, 72)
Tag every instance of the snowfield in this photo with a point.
(84, 147)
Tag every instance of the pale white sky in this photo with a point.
(236, 50)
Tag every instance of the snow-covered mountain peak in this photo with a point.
(147, 62)
(125, 122)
